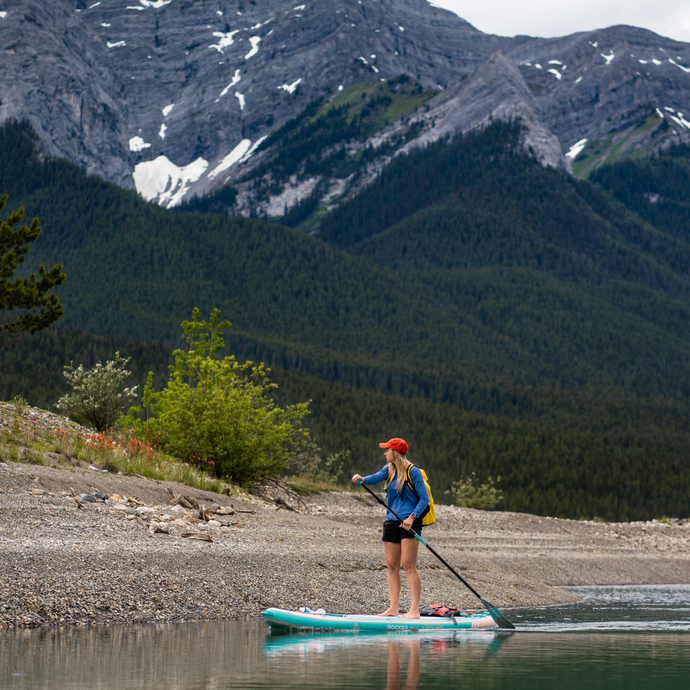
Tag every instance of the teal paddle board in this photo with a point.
(312, 620)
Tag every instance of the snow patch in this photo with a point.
(161, 133)
(254, 40)
(375, 69)
(141, 9)
(106, 25)
(364, 60)
(595, 44)
(119, 44)
(168, 109)
(240, 98)
(4, 14)
(576, 149)
(233, 157)
(259, 25)
(219, 13)
(401, 28)
(226, 39)
(290, 88)
(95, 4)
(556, 73)
(163, 181)
(299, 8)
(685, 69)
(578, 80)
(555, 62)
(659, 113)
(340, 88)
(656, 62)
(155, 4)
(608, 58)
(643, 62)
(235, 79)
(538, 66)
(137, 144)
(680, 120)
(256, 145)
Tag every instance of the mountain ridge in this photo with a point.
(181, 94)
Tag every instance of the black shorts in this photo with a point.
(393, 532)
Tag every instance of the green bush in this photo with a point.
(467, 494)
(217, 413)
(98, 396)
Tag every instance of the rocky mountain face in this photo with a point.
(174, 97)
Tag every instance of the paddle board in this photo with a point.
(312, 620)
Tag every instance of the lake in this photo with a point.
(617, 637)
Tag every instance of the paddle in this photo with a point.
(500, 619)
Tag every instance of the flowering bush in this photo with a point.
(97, 394)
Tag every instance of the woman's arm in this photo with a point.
(372, 478)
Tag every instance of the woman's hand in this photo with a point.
(356, 478)
(407, 522)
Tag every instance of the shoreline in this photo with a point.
(109, 563)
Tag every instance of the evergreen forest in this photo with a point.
(505, 318)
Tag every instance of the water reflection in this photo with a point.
(412, 679)
(366, 656)
(632, 638)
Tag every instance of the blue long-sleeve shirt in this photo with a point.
(404, 503)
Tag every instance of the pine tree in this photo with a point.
(36, 308)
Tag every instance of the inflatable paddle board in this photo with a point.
(280, 619)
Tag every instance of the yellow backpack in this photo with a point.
(428, 514)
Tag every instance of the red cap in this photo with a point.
(397, 444)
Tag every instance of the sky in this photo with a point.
(550, 18)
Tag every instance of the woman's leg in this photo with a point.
(409, 551)
(392, 552)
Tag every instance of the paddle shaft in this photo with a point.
(440, 558)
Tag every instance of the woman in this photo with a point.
(399, 544)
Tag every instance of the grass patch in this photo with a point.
(26, 442)
(307, 487)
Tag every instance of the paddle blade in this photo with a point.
(500, 619)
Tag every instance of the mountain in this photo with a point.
(178, 98)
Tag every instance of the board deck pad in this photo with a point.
(312, 620)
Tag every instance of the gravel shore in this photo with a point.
(109, 563)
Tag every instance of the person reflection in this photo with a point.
(394, 665)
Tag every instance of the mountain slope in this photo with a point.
(175, 97)
(495, 288)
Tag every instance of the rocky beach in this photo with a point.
(152, 551)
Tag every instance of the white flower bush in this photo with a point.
(97, 394)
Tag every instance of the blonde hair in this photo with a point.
(398, 466)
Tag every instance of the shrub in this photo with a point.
(466, 494)
(217, 413)
(98, 396)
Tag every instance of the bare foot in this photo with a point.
(411, 614)
(389, 612)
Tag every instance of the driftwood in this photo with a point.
(76, 498)
(287, 490)
(178, 499)
(155, 527)
(201, 536)
(204, 513)
(193, 503)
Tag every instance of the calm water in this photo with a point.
(618, 637)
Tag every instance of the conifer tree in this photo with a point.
(36, 307)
